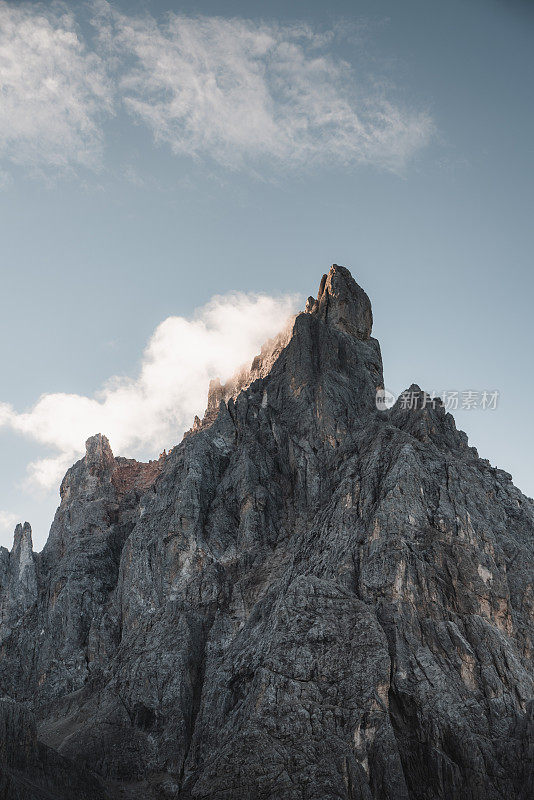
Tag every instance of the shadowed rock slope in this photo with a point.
(308, 598)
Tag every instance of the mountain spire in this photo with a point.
(343, 303)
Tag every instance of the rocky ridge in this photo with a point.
(308, 598)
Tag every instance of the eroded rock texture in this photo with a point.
(307, 598)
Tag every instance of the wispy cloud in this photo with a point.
(240, 93)
(144, 414)
(53, 90)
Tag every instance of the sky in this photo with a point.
(176, 177)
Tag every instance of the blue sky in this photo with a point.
(151, 161)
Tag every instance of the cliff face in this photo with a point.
(308, 598)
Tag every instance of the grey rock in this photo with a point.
(307, 598)
(18, 579)
(31, 771)
(341, 302)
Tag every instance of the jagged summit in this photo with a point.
(341, 302)
(22, 537)
(18, 579)
(306, 599)
(98, 454)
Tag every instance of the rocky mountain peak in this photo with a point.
(18, 579)
(98, 454)
(310, 351)
(307, 598)
(22, 539)
(22, 556)
(343, 303)
(23, 564)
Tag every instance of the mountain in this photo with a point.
(308, 598)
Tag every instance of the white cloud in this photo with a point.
(8, 521)
(53, 90)
(145, 414)
(240, 92)
(245, 94)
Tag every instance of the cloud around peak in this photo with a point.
(240, 93)
(143, 415)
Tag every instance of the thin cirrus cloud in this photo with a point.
(145, 414)
(240, 93)
(53, 91)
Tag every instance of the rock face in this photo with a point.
(29, 770)
(307, 599)
(18, 579)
